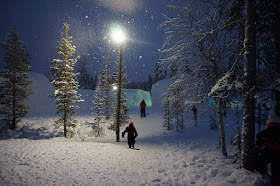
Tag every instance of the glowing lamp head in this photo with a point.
(118, 35)
(115, 87)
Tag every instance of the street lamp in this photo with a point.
(115, 87)
(119, 37)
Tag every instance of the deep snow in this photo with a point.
(37, 155)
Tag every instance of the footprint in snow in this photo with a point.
(156, 180)
(226, 173)
(195, 157)
(214, 173)
(200, 165)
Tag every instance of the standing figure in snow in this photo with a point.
(131, 134)
(268, 147)
(143, 110)
(194, 109)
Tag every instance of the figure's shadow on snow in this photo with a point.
(27, 132)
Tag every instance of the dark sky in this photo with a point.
(40, 23)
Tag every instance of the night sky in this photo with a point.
(40, 23)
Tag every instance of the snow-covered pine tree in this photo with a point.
(14, 90)
(98, 104)
(167, 114)
(123, 108)
(177, 104)
(237, 143)
(159, 72)
(107, 86)
(65, 84)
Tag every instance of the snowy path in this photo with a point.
(184, 159)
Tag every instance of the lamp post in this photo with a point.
(119, 37)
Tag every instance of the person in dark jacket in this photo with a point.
(194, 109)
(131, 134)
(143, 110)
(268, 146)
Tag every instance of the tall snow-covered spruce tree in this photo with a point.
(167, 114)
(107, 86)
(98, 104)
(65, 84)
(159, 73)
(177, 104)
(13, 89)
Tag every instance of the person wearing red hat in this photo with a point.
(268, 144)
(131, 134)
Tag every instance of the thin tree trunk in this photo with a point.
(177, 122)
(65, 121)
(248, 130)
(14, 101)
(259, 117)
(107, 105)
(221, 126)
(177, 117)
(119, 96)
(65, 109)
(276, 34)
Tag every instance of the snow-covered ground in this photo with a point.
(38, 155)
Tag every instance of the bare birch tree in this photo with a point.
(199, 36)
